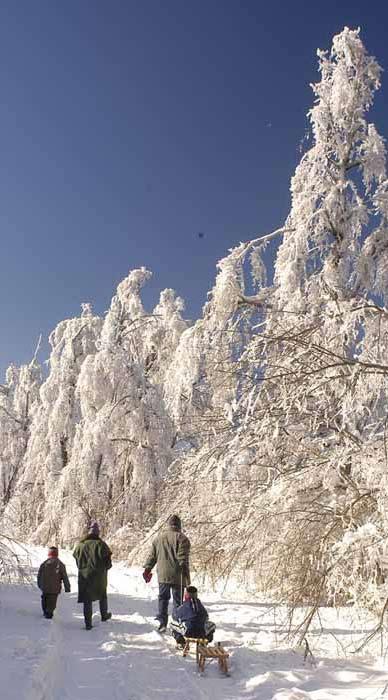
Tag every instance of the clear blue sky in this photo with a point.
(126, 128)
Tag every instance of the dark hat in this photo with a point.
(94, 528)
(191, 593)
(175, 521)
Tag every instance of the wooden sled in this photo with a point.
(218, 652)
(198, 641)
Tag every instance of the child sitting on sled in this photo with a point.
(192, 619)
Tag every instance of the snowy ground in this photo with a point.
(126, 659)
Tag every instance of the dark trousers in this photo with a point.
(165, 591)
(49, 603)
(88, 609)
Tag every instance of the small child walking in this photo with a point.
(50, 576)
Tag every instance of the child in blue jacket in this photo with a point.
(192, 619)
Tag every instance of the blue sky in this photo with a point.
(127, 128)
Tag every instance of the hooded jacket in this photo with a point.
(170, 551)
(194, 615)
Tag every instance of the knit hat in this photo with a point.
(94, 528)
(191, 592)
(175, 521)
(191, 597)
(52, 552)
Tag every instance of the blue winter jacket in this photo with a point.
(194, 615)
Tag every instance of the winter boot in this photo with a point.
(106, 617)
(88, 625)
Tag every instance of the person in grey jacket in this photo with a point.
(170, 552)
(51, 574)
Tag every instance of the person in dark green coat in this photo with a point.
(170, 552)
(93, 558)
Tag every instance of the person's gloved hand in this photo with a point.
(147, 575)
(67, 590)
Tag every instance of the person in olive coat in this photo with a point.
(170, 552)
(93, 558)
(52, 573)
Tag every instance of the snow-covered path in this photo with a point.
(126, 659)
(59, 660)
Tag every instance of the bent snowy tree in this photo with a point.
(295, 487)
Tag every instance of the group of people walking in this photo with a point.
(169, 552)
(94, 559)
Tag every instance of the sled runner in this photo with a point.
(218, 652)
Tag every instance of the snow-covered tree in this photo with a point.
(123, 438)
(19, 400)
(300, 470)
(53, 426)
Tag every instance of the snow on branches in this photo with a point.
(297, 467)
(333, 189)
(264, 423)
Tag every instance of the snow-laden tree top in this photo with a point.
(337, 188)
(334, 241)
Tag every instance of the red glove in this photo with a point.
(147, 575)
